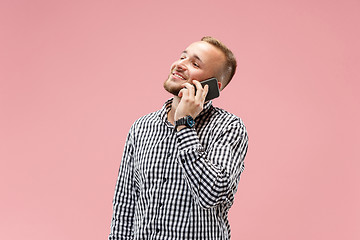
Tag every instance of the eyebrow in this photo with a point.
(195, 56)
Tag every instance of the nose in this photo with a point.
(181, 64)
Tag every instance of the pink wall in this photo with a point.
(74, 75)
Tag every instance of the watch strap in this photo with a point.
(188, 121)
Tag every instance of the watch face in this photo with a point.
(190, 121)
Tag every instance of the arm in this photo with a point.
(124, 197)
(213, 176)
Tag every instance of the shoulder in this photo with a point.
(145, 120)
(220, 123)
(148, 118)
(226, 119)
(228, 125)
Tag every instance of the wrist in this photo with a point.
(187, 121)
(179, 128)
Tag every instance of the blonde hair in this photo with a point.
(230, 63)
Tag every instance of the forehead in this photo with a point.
(205, 51)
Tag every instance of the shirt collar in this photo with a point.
(167, 107)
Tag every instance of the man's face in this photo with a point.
(199, 61)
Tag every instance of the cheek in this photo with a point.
(173, 66)
(199, 75)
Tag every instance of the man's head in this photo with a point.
(230, 63)
(199, 61)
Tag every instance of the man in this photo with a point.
(177, 180)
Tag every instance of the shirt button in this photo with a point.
(169, 154)
(160, 204)
(165, 180)
(183, 160)
(157, 230)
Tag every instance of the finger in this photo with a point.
(191, 89)
(197, 85)
(183, 92)
(180, 94)
(199, 89)
(205, 92)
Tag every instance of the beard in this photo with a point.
(171, 88)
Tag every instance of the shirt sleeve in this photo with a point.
(124, 197)
(213, 175)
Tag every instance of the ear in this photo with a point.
(219, 85)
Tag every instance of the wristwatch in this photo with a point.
(188, 121)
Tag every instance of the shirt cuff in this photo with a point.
(189, 145)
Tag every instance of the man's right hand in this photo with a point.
(191, 104)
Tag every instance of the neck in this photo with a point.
(174, 105)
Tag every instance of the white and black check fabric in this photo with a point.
(179, 185)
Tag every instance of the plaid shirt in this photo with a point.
(179, 185)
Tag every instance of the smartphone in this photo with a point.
(214, 90)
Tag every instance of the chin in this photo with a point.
(171, 88)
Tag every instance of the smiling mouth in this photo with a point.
(179, 76)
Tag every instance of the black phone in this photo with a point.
(214, 90)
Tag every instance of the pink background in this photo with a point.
(74, 75)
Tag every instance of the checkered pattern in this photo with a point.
(179, 185)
